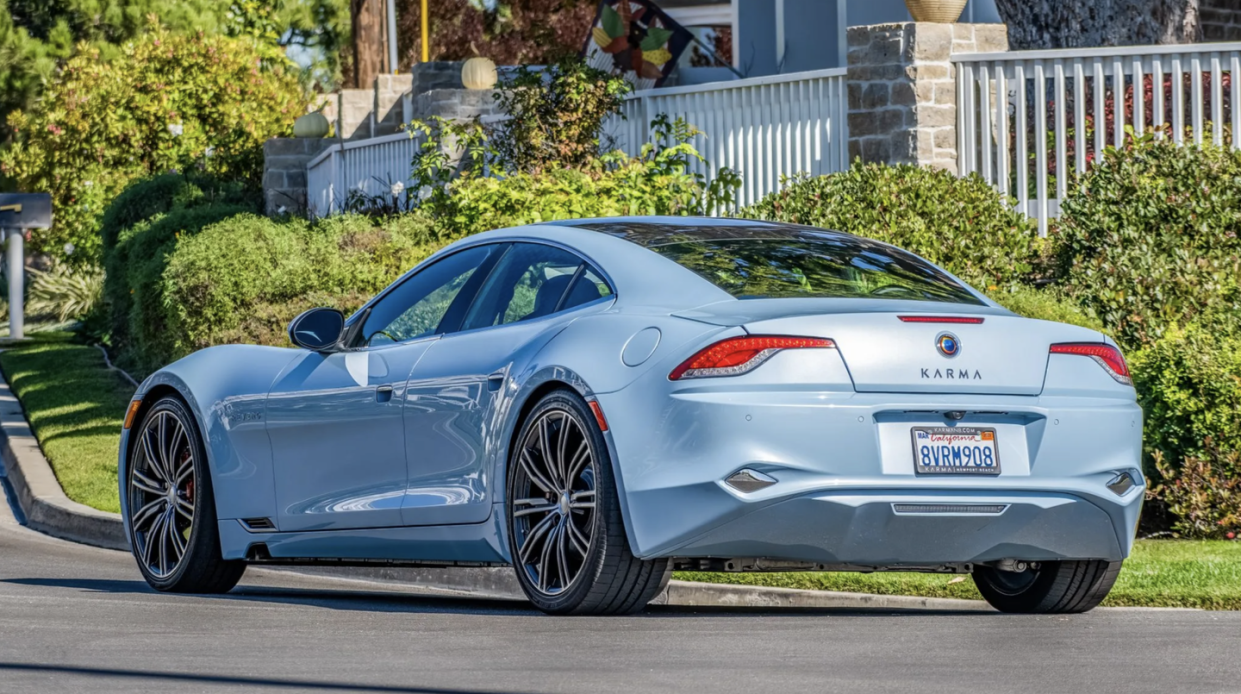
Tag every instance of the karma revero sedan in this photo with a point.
(600, 402)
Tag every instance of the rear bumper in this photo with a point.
(841, 460)
(884, 529)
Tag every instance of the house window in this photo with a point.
(712, 24)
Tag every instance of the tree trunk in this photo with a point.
(1035, 24)
(368, 41)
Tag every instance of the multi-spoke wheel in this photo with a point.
(172, 527)
(565, 530)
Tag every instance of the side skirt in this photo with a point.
(478, 544)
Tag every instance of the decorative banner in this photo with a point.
(637, 40)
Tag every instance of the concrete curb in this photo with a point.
(47, 509)
(39, 494)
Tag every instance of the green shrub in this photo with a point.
(1150, 237)
(134, 278)
(161, 194)
(1046, 304)
(63, 292)
(1203, 498)
(656, 182)
(244, 278)
(1189, 387)
(962, 224)
(168, 101)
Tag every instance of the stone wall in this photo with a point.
(284, 172)
(1221, 20)
(431, 89)
(902, 89)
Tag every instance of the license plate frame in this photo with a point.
(976, 469)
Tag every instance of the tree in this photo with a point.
(510, 32)
(369, 22)
(1036, 24)
(38, 36)
(169, 101)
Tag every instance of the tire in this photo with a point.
(172, 528)
(1055, 587)
(550, 521)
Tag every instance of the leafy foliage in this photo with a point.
(165, 193)
(1189, 387)
(1046, 304)
(1149, 238)
(134, 285)
(961, 224)
(64, 292)
(244, 278)
(510, 32)
(555, 116)
(168, 102)
(37, 36)
(1204, 499)
(657, 182)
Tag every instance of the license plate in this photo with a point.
(955, 450)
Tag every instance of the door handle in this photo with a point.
(496, 379)
(383, 393)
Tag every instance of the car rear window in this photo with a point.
(810, 265)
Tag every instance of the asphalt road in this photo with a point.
(76, 619)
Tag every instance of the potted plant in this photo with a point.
(941, 11)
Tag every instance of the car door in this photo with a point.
(335, 419)
(456, 399)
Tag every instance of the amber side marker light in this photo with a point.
(598, 412)
(132, 412)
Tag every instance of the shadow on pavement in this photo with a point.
(394, 602)
(249, 682)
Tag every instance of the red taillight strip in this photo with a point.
(941, 319)
(1107, 356)
(737, 355)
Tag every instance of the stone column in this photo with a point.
(903, 91)
(284, 172)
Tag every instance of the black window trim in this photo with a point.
(471, 288)
(583, 265)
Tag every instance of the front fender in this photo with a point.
(226, 389)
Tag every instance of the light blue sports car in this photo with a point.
(600, 402)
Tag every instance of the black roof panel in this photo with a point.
(658, 231)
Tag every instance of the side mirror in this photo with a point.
(318, 329)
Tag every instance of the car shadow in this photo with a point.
(397, 602)
(248, 683)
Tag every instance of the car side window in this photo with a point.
(530, 281)
(417, 307)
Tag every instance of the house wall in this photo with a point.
(1221, 20)
(814, 30)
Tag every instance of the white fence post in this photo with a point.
(1188, 97)
(763, 128)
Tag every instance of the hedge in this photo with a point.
(244, 278)
(1150, 237)
(962, 224)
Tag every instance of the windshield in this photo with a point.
(809, 265)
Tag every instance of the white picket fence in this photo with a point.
(762, 127)
(1026, 121)
(367, 167)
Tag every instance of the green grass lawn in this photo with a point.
(1159, 573)
(76, 405)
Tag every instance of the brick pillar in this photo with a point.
(903, 91)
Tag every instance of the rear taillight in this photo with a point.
(1106, 356)
(738, 355)
(962, 320)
